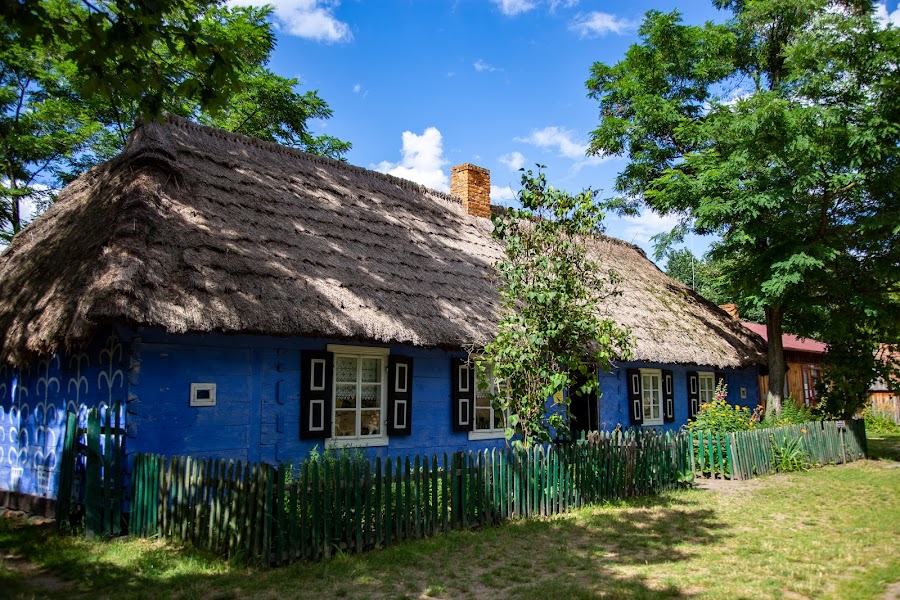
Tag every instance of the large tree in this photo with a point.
(76, 76)
(777, 130)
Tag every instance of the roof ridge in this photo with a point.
(314, 158)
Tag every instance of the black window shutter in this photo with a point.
(668, 395)
(462, 380)
(316, 377)
(693, 393)
(399, 412)
(635, 404)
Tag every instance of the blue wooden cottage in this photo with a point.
(246, 300)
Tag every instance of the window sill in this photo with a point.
(652, 424)
(486, 435)
(356, 443)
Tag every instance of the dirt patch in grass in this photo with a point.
(726, 486)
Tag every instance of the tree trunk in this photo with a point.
(15, 217)
(777, 368)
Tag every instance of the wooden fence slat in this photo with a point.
(93, 519)
(369, 514)
(379, 503)
(357, 494)
(388, 502)
(301, 515)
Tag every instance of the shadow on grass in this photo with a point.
(884, 446)
(593, 553)
(606, 553)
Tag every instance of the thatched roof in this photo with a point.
(193, 229)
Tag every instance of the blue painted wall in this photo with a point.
(33, 404)
(258, 398)
(614, 387)
(257, 412)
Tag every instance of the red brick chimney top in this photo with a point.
(472, 185)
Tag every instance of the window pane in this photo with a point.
(651, 396)
(345, 395)
(707, 388)
(498, 419)
(345, 369)
(371, 422)
(371, 370)
(483, 418)
(482, 401)
(371, 395)
(344, 423)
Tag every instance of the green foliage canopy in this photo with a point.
(779, 131)
(76, 76)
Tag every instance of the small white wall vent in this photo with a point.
(203, 394)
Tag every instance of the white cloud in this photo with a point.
(563, 140)
(422, 160)
(483, 67)
(565, 143)
(554, 4)
(597, 24)
(310, 19)
(357, 88)
(499, 193)
(639, 230)
(886, 18)
(512, 8)
(513, 160)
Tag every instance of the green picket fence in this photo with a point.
(712, 454)
(747, 454)
(280, 514)
(823, 443)
(91, 480)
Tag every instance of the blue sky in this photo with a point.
(421, 85)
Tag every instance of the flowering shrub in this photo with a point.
(720, 417)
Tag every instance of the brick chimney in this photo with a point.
(472, 185)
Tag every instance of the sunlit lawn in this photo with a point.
(826, 533)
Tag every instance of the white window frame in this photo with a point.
(650, 422)
(493, 433)
(359, 441)
(203, 387)
(701, 376)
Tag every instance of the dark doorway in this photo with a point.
(583, 409)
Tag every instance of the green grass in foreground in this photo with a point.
(826, 533)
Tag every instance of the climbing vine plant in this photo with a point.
(553, 330)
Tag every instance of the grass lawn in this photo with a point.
(827, 533)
